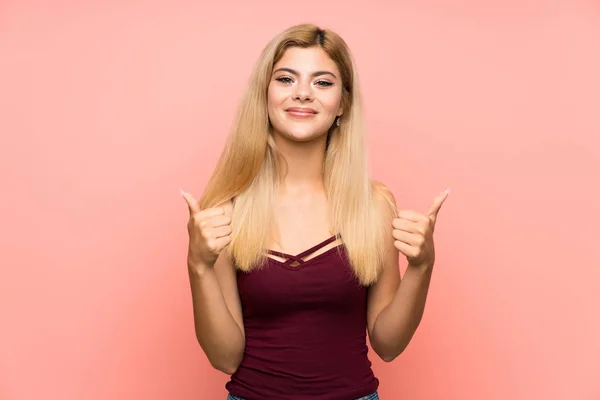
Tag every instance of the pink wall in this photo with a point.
(106, 110)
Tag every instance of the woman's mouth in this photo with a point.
(300, 112)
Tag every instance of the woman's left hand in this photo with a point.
(413, 232)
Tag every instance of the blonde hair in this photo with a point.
(250, 169)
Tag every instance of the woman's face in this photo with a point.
(305, 93)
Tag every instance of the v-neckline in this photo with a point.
(298, 257)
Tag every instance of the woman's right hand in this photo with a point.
(209, 233)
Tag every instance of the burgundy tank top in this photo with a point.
(305, 330)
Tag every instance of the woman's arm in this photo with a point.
(395, 305)
(218, 312)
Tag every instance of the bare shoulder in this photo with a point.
(385, 197)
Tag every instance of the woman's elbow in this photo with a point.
(228, 366)
(387, 354)
(388, 357)
(228, 369)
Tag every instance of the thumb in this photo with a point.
(191, 201)
(437, 204)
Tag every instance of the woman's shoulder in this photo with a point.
(383, 195)
(380, 186)
(381, 191)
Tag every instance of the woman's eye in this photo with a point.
(324, 83)
(284, 79)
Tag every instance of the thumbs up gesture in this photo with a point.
(413, 232)
(209, 232)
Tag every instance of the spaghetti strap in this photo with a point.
(298, 257)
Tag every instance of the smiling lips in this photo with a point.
(300, 112)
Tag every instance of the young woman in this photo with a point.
(293, 249)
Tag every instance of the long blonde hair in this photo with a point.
(250, 170)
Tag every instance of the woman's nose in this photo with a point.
(303, 92)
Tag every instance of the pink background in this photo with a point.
(106, 109)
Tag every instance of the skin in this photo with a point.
(307, 78)
(303, 78)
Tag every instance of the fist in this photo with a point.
(413, 233)
(209, 232)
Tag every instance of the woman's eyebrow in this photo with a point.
(314, 74)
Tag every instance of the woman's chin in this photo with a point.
(303, 136)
